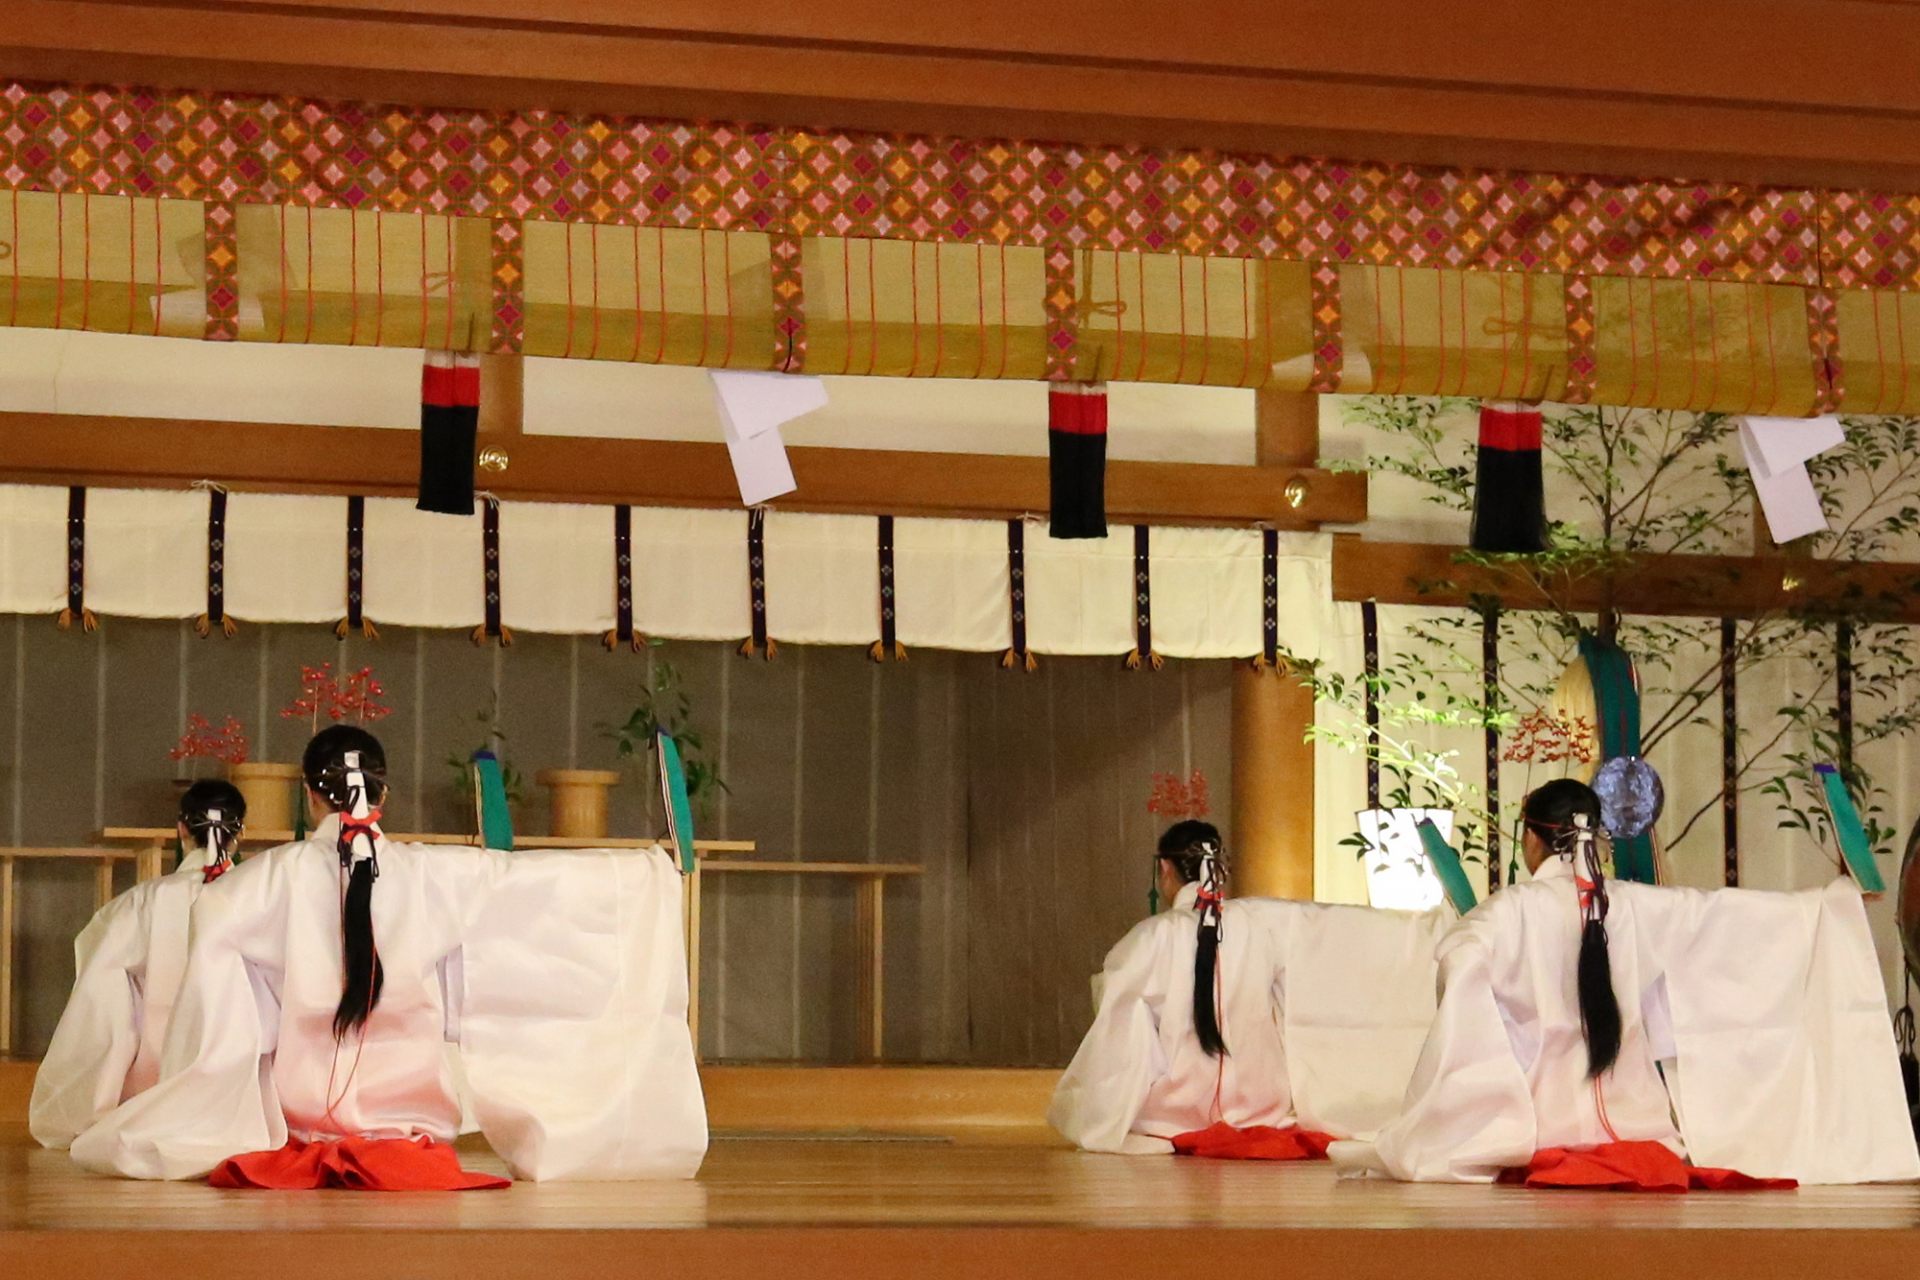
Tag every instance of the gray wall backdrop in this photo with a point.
(1023, 796)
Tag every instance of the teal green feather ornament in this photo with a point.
(490, 810)
(674, 800)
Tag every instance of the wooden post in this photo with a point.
(6, 956)
(1272, 784)
(503, 395)
(103, 881)
(690, 886)
(871, 992)
(1272, 761)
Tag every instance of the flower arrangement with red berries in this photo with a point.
(355, 697)
(201, 741)
(1174, 797)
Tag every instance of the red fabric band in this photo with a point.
(352, 1164)
(450, 386)
(1257, 1142)
(1632, 1166)
(1077, 413)
(1516, 430)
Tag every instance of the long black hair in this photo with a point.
(213, 811)
(1565, 814)
(345, 765)
(1194, 849)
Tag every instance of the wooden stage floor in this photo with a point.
(1007, 1204)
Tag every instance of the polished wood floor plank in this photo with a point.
(908, 1183)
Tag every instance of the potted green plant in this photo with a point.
(664, 704)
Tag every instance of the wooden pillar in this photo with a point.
(1272, 784)
(502, 394)
(1272, 761)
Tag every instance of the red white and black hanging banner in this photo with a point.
(623, 632)
(757, 643)
(492, 628)
(1017, 655)
(1843, 694)
(1143, 654)
(1077, 459)
(76, 610)
(888, 645)
(1509, 496)
(356, 619)
(449, 425)
(216, 614)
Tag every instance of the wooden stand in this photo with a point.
(269, 790)
(579, 801)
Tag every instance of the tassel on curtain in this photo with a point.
(623, 632)
(356, 620)
(1143, 654)
(216, 614)
(492, 628)
(888, 645)
(758, 644)
(76, 610)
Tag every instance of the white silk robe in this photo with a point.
(127, 965)
(561, 976)
(1765, 1011)
(1323, 1009)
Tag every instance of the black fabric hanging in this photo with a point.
(888, 645)
(1143, 654)
(1729, 756)
(76, 610)
(356, 619)
(623, 632)
(492, 628)
(1489, 700)
(1370, 639)
(1509, 502)
(759, 642)
(1077, 459)
(216, 614)
(449, 427)
(1017, 655)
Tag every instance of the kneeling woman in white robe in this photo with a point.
(326, 976)
(1594, 1034)
(1251, 1028)
(127, 965)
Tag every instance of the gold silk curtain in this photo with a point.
(903, 308)
(655, 295)
(115, 264)
(364, 278)
(1165, 317)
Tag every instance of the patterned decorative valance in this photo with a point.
(281, 219)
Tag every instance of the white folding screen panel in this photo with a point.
(823, 578)
(950, 584)
(147, 552)
(423, 568)
(33, 554)
(556, 567)
(286, 558)
(1079, 592)
(1205, 588)
(690, 574)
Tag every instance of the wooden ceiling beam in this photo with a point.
(1751, 90)
(40, 448)
(1414, 573)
